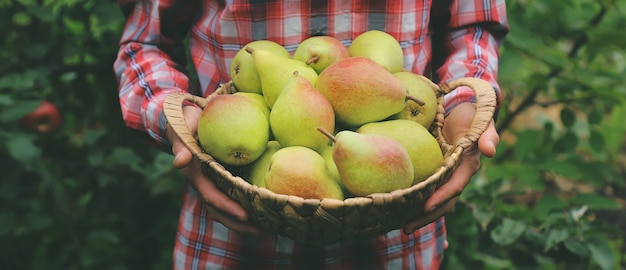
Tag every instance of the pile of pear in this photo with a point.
(330, 121)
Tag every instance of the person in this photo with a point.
(443, 40)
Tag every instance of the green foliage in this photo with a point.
(94, 195)
(544, 200)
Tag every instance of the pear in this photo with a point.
(256, 170)
(275, 71)
(233, 129)
(320, 51)
(243, 72)
(300, 171)
(370, 163)
(327, 154)
(379, 46)
(259, 100)
(298, 111)
(423, 148)
(361, 91)
(424, 112)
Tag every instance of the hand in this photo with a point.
(445, 197)
(220, 207)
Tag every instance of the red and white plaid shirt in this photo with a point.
(444, 40)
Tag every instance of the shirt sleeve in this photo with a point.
(150, 62)
(471, 42)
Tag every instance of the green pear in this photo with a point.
(370, 163)
(327, 154)
(257, 169)
(297, 113)
(379, 46)
(320, 51)
(259, 100)
(243, 72)
(300, 171)
(422, 147)
(275, 71)
(361, 91)
(233, 129)
(421, 112)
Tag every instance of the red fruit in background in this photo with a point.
(45, 119)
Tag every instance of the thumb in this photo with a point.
(489, 140)
(182, 155)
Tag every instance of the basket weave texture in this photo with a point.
(330, 221)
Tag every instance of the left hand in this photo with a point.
(445, 197)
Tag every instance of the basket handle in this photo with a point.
(173, 110)
(485, 109)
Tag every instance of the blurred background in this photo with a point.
(92, 194)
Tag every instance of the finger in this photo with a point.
(429, 217)
(469, 165)
(232, 223)
(182, 155)
(489, 140)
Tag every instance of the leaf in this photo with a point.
(595, 116)
(547, 203)
(527, 141)
(566, 143)
(22, 149)
(601, 253)
(596, 140)
(8, 222)
(568, 118)
(17, 110)
(595, 201)
(507, 232)
(555, 237)
(577, 247)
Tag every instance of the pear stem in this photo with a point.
(249, 49)
(326, 133)
(313, 59)
(416, 100)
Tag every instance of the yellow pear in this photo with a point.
(320, 51)
(259, 100)
(300, 171)
(379, 46)
(233, 129)
(370, 163)
(423, 112)
(327, 154)
(422, 147)
(243, 72)
(361, 91)
(275, 71)
(257, 169)
(297, 113)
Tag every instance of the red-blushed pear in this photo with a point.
(275, 71)
(243, 71)
(259, 100)
(320, 51)
(256, 170)
(298, 111)
(422, 147)
(379, 46)
(421, 112)
(361, 91)
(327, 154)
(370, 163)
(233, 129)
(300, 171)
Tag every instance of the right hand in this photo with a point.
(220, 207)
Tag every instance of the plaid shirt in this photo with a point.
(444, 40)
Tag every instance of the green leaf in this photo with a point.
(595, 116)
(527, 141)
(547, 203)
(7, 225)
(22, 149)
(566, 143)
(507, 232)
(555, 237)
(17, 110)
(596, 140)
(577, 247)
(601, 253)
(568, 118)
(595, 201)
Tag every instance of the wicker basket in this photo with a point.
(329, 220)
